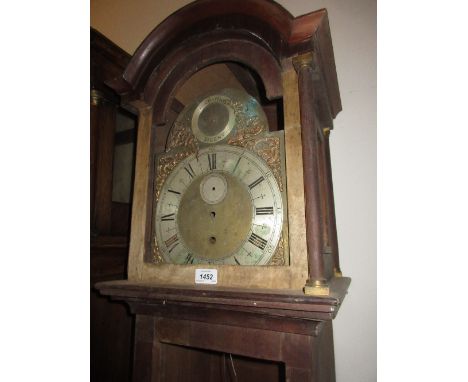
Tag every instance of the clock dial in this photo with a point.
(222, 206)
(213, 119)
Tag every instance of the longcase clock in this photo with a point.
(233, 231)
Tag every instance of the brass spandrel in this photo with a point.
(165, 164)
(267, 148)
(278, 257)
(181, 136)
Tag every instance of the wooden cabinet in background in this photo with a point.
(111, 324)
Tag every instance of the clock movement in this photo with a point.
(235, 103)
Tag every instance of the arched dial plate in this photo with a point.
(223, 206)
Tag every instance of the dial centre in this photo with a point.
(214, 224)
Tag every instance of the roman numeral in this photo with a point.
(189, 259)
(264, 211)
(258, 241)
(174, 192)
(237, 261)
(257, 182)
(237, 164)
(212, 161)
(167, 218)
(189, 170)
(172, 242)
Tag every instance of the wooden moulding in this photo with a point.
(162, 85)
(293, 310)
(265, 23)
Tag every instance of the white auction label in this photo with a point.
(206, 276)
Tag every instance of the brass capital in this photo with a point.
(96, 97)
(326, 131)
(303, 60)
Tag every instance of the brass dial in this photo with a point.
(213, 119)
(222, 206)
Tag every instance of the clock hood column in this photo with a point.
(316, 283)
(332, 233)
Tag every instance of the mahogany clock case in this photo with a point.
(280, 314)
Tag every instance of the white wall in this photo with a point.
(353, 145)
